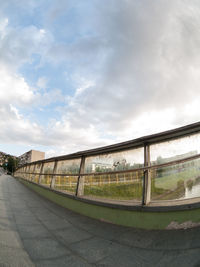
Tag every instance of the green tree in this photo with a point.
(12, 164)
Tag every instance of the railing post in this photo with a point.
(147, 177)
(53, 177)
(80, 182)
(40, 173)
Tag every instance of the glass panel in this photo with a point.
(38, 167)
(21, 172)
(68, 166)
(28, 170)
(45, 180)
(181, 181)
(48, 170)
(176, 149)
(32, 167)
(124, 160)
(25, 175)
(122, 186)
(37, 171)
(48, 167)
(66, 184)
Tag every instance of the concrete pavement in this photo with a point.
(36, 232)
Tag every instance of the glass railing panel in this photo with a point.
(32, 170)
(117, 186)
(68, 166)
(46, 180)
(124, 160)
(66, 184)
(176, 182)
(48, 167)
(20, 172)
(38, 167)
(24, 174)
(35, 177)
(175, 149)
(27, 177)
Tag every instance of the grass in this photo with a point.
(166, 187)
(115, 191)
(169, 182)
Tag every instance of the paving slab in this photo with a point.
(9, 238)
(72, 235)
(33, 231)
(68, 260)
(44, 248)
(12, 257)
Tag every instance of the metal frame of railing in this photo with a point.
(144, 142)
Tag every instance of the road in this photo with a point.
(36, 232)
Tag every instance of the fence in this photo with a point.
(153, 169)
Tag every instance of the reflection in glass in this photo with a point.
(68, 166)
(37, 171)
(66, 184)
(31, 170)
(45, 180)
(47, 170)
(28, 171)
(38, 167)
(21, 172)
(176, 149)
(48, 167)
(181, 181)
(118, 186)
(124, 160)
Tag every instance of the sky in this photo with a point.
(80, 74)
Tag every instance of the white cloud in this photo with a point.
(13, 88)
(3, 25)
(17, 45)
(42, 82)
(152, 65)
(16, 129)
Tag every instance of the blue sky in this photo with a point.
(82, 74)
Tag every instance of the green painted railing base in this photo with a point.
(137, 219)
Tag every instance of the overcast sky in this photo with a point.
(80, 74)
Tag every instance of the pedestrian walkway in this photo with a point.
(36, 232)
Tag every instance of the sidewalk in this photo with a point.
(36, 232)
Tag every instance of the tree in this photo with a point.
(12, 164)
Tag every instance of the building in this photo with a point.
(30, 156)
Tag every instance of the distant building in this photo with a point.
(30, 156)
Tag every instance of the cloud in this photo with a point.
(17, 45)
(16, 129)
(42, 82)
(13, 88)
(151, 64)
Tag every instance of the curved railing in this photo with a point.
(159, 169)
